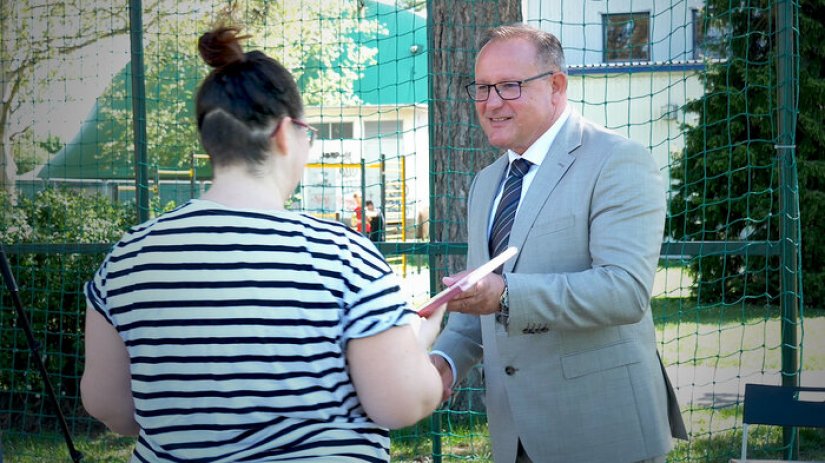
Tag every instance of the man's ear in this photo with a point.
(559, 81)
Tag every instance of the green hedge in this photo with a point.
(51, 289)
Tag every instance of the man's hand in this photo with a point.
(446, 375)
(483, 298)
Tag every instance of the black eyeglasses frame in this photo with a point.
(519, 83)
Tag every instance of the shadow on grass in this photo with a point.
(672, 310)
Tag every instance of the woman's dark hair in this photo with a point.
(242, 100)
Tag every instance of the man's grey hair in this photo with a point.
(548, 47)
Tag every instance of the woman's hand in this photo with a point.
(427, 329)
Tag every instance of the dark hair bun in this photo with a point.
(222, 46)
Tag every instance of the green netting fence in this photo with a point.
(96, 134)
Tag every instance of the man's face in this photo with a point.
(516, 124)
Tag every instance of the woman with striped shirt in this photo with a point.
(233, 330)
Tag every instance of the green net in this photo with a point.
(97, 134)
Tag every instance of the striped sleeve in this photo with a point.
(377, 303)
(95, 291)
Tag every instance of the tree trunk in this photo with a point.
(459, 148)
(8, 169)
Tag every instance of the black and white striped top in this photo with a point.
(236, 323)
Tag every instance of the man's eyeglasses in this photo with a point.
(310, 130)
(507, 90)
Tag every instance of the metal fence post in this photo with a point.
(789, 196)
(139, 109)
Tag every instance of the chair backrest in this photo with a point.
(783, 406)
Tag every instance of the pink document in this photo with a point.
(466, 282)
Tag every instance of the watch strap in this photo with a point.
(503, 314)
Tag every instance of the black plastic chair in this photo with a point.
(780, 406)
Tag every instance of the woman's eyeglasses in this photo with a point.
(310, 130)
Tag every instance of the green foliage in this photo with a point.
(51, 290)
(317, 41)
(29, 153)
(727, 178)
(415, 5)
(810, 142)
(51, 144)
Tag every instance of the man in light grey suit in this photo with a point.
(565, 329)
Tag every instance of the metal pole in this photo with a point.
(789, 196)
(192, 174)
(139, 109)
(383, 186)
(363, 204)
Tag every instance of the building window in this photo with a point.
(334, 130)
(708, 37)
(626, 37)
(383, 129)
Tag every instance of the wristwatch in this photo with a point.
(503, 314)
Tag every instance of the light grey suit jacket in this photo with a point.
(575, 374)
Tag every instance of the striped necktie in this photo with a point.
(506, 212)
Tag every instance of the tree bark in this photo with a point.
(459, 148)
(8, 170)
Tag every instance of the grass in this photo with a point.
(410, 445)
(743, 336)
(717, 440)
(746, 337)
(51, 448)
(460, 437)
(716, 436)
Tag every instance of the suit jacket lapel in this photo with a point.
(487, 187)
(559, 158)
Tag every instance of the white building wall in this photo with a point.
(641, 100)
(645, 107)
(578, 24)
(342, 179)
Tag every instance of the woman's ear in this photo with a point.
(280, 137)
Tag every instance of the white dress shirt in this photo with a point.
(536, 154)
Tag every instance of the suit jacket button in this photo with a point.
(509, 370)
